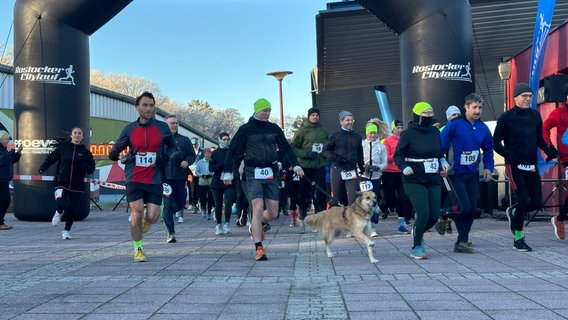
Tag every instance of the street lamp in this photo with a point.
(279, 75)
(504, 70)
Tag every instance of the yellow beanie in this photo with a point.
(371, 128)
(421, 107)
(261, 104)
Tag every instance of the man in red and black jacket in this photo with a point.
(559, 118)
(151, 145)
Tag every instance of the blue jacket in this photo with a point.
(461, 139)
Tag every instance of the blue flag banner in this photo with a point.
(541, 30)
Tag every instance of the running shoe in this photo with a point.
(301, 226)
(463, 247)
(56, 218)
(418, 253)
(139, 255)
(260, 254)
(449, 226)
(65, 235)
(292, 222)
(441, 226)
(180, 220)
(521, 245)
(145, 225)
(558, 228)
(218, 230)
(402, 229)
(5, 227)
(227, 228)
(171, 239)
(374, 233)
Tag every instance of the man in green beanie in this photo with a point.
(259, 142)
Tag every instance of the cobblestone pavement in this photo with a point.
(204, 276)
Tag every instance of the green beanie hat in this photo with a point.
(421, 107)
(261, 104)
(371, 128)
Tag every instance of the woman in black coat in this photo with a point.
(224, 195)
(7, 160)
(74, 162)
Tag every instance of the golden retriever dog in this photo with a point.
(354, 219)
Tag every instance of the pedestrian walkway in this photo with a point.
(204, 276)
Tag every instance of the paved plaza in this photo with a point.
(204, 276)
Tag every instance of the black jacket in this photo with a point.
(74, 162)
(217, 166)
(7, 160)
(258, 143)
(186, 152)
(517, 136)
(344, 150)
(419, 142)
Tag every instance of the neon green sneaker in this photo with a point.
(145, 226)
(139, 255)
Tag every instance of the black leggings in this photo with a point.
(67, 204)
(224, 199)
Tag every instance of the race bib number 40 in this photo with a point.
(263, 173)
(145, 159)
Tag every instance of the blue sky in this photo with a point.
(218, 51)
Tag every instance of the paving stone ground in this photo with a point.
(204, 276)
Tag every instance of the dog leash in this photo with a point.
(322, 190)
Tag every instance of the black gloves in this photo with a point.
(371, 168)
(552, 153)
(311, 155)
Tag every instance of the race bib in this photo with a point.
(145, 159)
(317, 147)
(227, 176)
(167, 189)
(348, 175)
(263, 173)
(58, 193)
(469, 157)
(366, 185)
(526, 167)
(431, 166)
(295, 177)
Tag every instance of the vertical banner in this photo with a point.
(541, 31)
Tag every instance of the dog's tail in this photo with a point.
(314, 220)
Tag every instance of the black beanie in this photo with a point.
(223, 134)
(521, 88)
(313, 110)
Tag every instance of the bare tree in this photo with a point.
(6, 55)
(122, 83)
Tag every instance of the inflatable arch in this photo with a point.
(51, 87)
(436, 50)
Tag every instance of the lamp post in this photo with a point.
(504, 73)
(279, 75)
